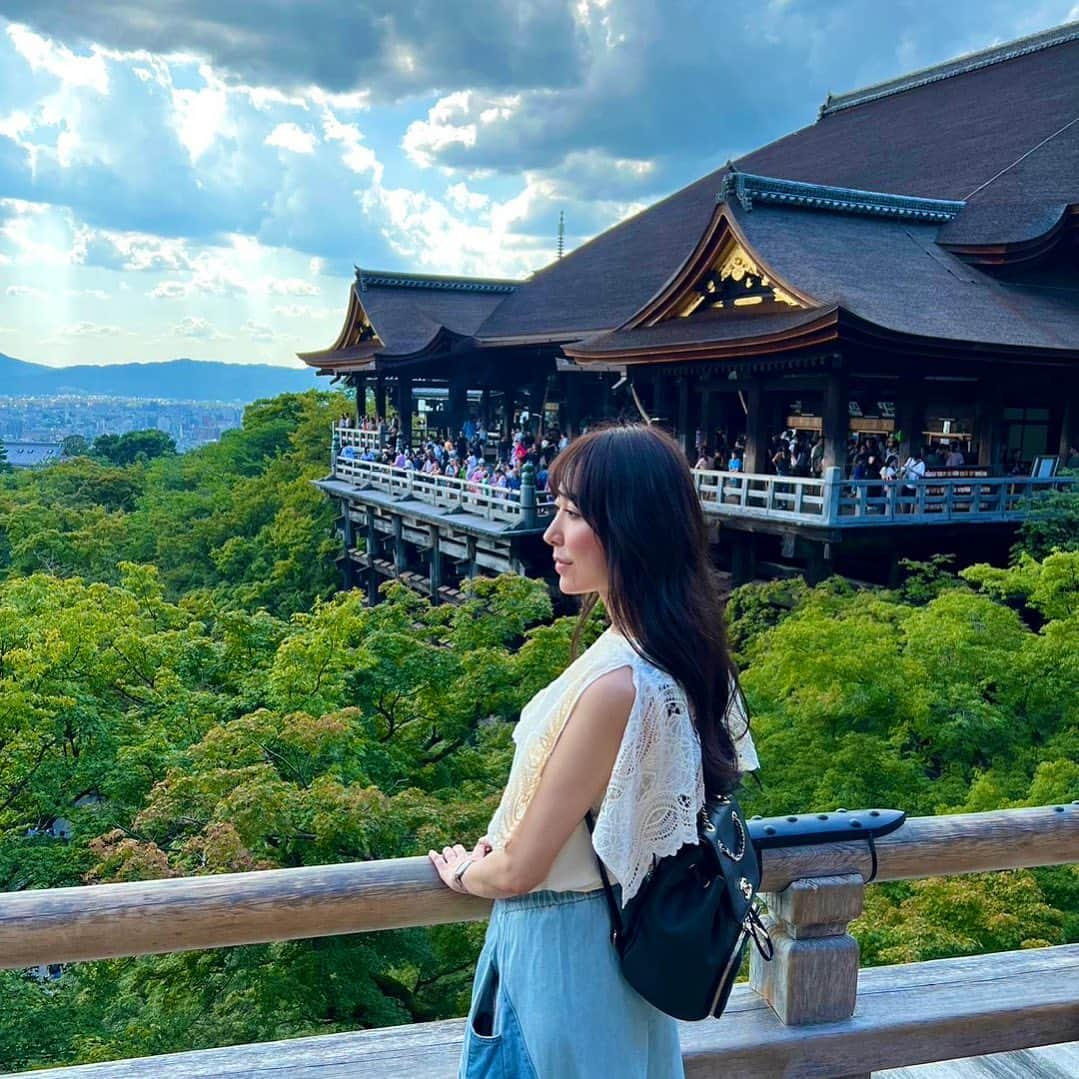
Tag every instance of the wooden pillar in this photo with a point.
(661, 400)
(756, 458)
(1069, 426)
(457, 405)
(708, 421)
(359, 384)
(470, 548)
(743, 556)
(435, 577)
(814, 975)
(380, 397)
(505, 415)
(989, 427)
(400, 552)
(372, 553)
(687, 426)
(574, 386)
(403, 404)
(348, 535)
(835, 420)
(910, 417)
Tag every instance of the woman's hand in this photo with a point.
(447, 862)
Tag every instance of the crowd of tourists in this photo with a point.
(468, 456)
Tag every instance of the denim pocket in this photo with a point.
(494, 1047)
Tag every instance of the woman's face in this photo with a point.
(579, 560)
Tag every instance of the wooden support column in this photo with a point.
(756, 458)
(403, 404)
(485, 409)
(359, 382)
(380, 397)
(708, 420)
(910, 417)
(814, 975)
(687, 427)
(572, 418)
(835, 420)
(373, 594)
(505, 415)
(989, 427)
(661, 400)
(457, 405)
(743, 556)
(435, 577)
(348, 535)
(470, 548)
(400, 552)
(1069, 427)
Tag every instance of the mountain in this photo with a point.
(174, 380)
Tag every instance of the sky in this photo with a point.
(200, 178)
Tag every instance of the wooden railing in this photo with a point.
(525, 507)
(902, 1015)
(833, 502)
(828, 501)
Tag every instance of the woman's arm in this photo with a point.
(576, 774)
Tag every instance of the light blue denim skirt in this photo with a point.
(549, 1000)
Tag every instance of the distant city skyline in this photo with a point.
(199, 180)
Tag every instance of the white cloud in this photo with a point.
(288, 286)
(45, 55)
(259, 331)
(292, 137)
(194, 326)
(201, 115)
(24, 290)
(90, 329)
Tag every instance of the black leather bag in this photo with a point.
(680, 940)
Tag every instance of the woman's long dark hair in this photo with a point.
(632, 484)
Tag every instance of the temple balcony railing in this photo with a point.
(525, 508)
(810, 1012)
(834, 502)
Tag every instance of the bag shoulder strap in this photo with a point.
(612, 905)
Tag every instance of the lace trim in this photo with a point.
(649, 810)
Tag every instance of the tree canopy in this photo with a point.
(182, 686)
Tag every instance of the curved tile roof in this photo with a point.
(952, 138)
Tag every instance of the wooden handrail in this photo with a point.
(75, 924)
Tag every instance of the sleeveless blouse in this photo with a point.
(649, 809)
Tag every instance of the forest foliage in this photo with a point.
(183, 691)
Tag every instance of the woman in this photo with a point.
(636, 731)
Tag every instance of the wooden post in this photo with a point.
(470, 548)
(404, 410)
(380, 397)
(1069, 424)
(756, 457)
(335, 451)
(361, 397)
(435, 577)
(372, 552)
(743, 556)
(988, 427)
(528, 496)
(400, 554)
(348, 535)
(505, 416)
(831, 492)
(661, 400)
(814, 975)
(910, 417)
(835, 420)
(456, 405)
(686, 425)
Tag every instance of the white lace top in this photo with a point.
(657, 784)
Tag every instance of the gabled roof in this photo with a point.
(948, 134)
(398, 315)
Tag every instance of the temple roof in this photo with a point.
(892, 212)
(990, 141)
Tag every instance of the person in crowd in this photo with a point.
(816, 457)
(645, 723)
(706, 460)
(955, 458)
(913, 473)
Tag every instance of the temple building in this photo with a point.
(906, 266)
